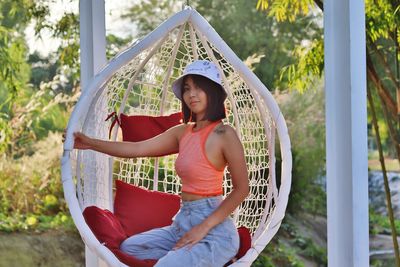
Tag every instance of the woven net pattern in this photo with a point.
(143, 87)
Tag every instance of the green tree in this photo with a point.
(13, 68)
(382, 31)
(245, 30)
(36, 92)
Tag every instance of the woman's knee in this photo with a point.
(130, 245)
(124, 246)
(175, 258)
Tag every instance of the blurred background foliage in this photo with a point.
(37, 94)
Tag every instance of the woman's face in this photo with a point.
(195, 98)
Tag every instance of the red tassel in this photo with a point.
(115, 119)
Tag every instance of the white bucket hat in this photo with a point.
(199, 67)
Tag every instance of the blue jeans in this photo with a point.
(218, 247)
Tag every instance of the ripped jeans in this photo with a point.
(218, 247)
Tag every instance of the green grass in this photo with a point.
(391, 164)
(290, 247)
(31, 194)
(379, 224)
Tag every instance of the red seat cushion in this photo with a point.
(108, 230)
(105, 226)
(245, 241)
(244, 244)
(132, 261)
(139, 210)
(138, 128)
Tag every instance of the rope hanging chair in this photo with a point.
(138, 81)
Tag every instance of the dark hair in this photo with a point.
(216, 96)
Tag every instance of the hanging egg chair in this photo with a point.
(138, 82)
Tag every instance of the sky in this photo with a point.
(114, 24)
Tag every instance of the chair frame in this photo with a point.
(98, 84)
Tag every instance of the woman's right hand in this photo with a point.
(81, 141)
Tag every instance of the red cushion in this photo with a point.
(139, 128)
(105, 226)
(132, 261)
(244, 244)
(245, 241)
(140, 210)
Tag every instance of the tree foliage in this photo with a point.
(13, 67)
(245, 30)
(37, 92)
(382, 19)
(284, 10)
(382, 31)
(307, 137)
(304, 75)
(149, 13)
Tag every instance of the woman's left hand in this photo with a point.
(192, 237)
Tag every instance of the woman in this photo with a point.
(202, 234)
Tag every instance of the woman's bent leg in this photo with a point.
(215, 250)
(187, 257)
(153, 244)
(202, 254)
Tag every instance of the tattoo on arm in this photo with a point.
(220, 130)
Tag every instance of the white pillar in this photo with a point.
(93, 58)
(346, 133)
(92, 39)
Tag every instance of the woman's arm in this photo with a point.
(234, 155)
(165, 143)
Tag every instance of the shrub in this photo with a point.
(305, 117)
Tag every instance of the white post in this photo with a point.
(93, 58)
(346, 133)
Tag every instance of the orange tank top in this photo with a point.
(197, 173)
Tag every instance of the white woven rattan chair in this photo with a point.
(138, 81)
